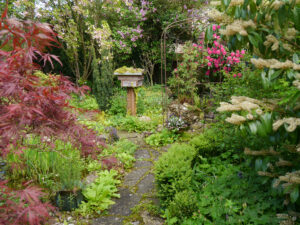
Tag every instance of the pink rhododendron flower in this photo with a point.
(239, 75)
(215, 35)
(214, 27)
(234, 75)
(243, 52)
(207, 73)
(218, 52)
(209, 64)
(218, 26)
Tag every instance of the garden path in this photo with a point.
(137, 189)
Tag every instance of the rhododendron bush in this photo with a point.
(206, 61)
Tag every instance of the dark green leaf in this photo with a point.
(258, 164)
(253, 41)
(294, 194)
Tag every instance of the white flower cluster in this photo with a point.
(242, 103)
(291, 123)
(238, 26)
(274, 64)
(175, 123)
(296, 82)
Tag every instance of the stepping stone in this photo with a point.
(141, 163)
(134, 176)
(142, 154)
(124, 204)
(146, 185)
(108, 220)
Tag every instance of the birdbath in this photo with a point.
(130, 78)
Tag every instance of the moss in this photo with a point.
(126, 69)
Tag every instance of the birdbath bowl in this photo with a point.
(130, 78)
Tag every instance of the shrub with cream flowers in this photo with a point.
(270, 31)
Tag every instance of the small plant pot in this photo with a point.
(68, 200)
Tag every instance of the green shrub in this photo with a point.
(183, 205)
(222, 138)
(163, 138)
(173, 172)
(87, 102)
(118, 103)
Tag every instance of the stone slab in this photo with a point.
(123, 205)
(146, 185)
(134, 176)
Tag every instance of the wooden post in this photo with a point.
(131, 101)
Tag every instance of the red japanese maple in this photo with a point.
(28, 105)
(23, 206)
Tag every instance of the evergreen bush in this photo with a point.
(173, 171)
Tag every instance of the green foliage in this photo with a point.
(98, 194)
(173, 171)
(235, 197)
(98, 126)
(148, 101)
(184, 79)
(124, 151)
(102, 80)
(118, 103)
(162, 138)
(87, 102)
(221, 138)
(132, 124)
(183, 205)
(93, 165)
(125, 69)
(58, 169)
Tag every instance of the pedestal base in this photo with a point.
(131, 102)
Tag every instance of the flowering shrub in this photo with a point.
(175, 123)
(270, 30)
(205, 62)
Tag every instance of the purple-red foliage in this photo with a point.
(28, 105)
(22, 207)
